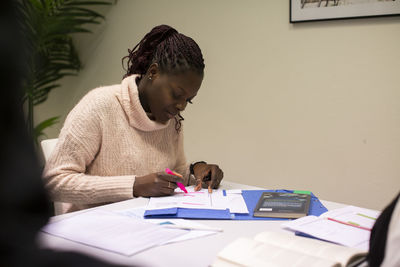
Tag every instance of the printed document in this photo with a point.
(111, 231)
(194, 229)
(349, 226)
(217, 200)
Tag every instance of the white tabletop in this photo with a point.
(196, 252)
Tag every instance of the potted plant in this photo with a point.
(48, 26)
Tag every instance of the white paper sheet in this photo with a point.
(360, 216)
(111, 231)
(333, 231)
(137, 213)
(201, 200)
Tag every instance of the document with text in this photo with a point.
(193, 229)
(349, 226)
(112, 232)
(217, 200)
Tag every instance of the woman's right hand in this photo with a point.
(155, 184)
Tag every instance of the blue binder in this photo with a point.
(251, 198)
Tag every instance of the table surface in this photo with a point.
(196, 252)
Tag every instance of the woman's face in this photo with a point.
(165, 95)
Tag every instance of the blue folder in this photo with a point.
(251, 198)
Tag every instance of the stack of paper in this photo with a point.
(350, 226)
(113, 232)
(217, 200)
(193, 229)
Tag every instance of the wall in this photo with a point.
(313, 106)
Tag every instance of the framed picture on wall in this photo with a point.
(316, 10)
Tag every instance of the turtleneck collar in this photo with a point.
(129, 99)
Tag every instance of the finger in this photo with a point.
(168, 188)
(170, 178)
(206, 178)
(220, 177)
(165, 186)
(198, 185)
(199, 182)
(217, 179)
(165, 191)
(214, 177)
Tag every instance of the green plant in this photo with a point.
(48, 26)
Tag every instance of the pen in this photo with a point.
(174, 226)
(180, 185)
(350, 224)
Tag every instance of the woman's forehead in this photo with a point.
(188, 81)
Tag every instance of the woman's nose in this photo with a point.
(181, 106)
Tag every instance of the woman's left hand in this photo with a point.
(207, 176)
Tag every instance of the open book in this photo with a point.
(286, 249)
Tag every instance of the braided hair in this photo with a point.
(172, 51)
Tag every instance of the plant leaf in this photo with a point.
(38, 131)
(51, 54)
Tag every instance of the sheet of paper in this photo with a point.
(191, 234)
(352, 214)
(231, 200)
(234, 191)
(193, 200)
(236, 203)
(200, 200)
(336, 232)
(111, 231)
(137, 213)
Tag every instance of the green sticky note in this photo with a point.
(302, 192)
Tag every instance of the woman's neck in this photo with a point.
(141, 85)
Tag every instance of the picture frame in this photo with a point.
(317, 10)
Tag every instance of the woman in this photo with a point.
(117, 141)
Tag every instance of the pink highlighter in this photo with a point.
(180, 185)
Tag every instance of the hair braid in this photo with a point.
(172, 51)
(140, 57)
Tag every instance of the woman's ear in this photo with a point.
(152, 71)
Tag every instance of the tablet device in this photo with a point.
(282, 205)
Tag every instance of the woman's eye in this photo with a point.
(176, 95)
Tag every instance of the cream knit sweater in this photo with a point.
(107, 139)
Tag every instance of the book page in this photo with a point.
(309, 246)
(248, 252)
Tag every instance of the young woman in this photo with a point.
(117, 141)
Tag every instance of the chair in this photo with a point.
(48, 146)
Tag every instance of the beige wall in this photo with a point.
(312, 106)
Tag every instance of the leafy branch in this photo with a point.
(48, 26)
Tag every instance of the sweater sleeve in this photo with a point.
(65, 174)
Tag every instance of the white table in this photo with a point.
(197, 252)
